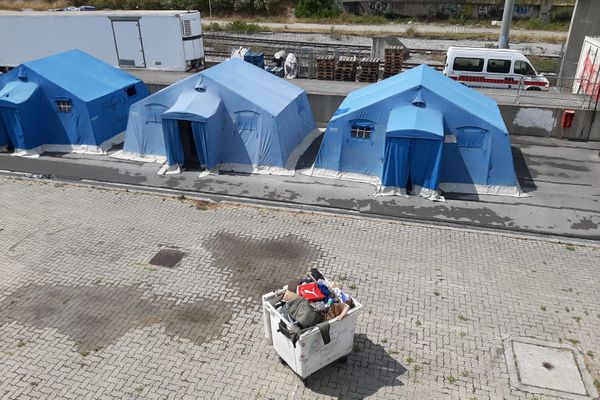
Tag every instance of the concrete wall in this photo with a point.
(546, 122)
(586, 22)
(455, 9)
(519, 120)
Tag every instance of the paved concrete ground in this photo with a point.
(561, 178)
(83, 315)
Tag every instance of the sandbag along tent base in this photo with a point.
(69, 102)
(231, 117)
(422, 132)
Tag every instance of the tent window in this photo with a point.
(153, 113)
(468, 64)
(246, 121)
(131, 91)
(361, 132)
(64, 106)
(470, 137)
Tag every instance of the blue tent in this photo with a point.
(233, 116)
(67, 102)
(419, 130)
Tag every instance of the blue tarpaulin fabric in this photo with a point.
(470, 147)
(67, 102)
(252, 119)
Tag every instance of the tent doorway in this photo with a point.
(191, 160)
(412, 163)
(10, 122)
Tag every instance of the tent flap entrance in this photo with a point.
(413, 149)
(185, 143)
(10, 125)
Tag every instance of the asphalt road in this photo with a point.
(561, 178)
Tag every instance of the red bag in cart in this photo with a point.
(310, 291)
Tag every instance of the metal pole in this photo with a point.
(506, 22)
(209, 9)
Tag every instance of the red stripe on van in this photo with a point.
(507, 81)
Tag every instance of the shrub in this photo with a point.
(316, 9)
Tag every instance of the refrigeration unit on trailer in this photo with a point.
(587, 78)
(492, 68)
(158, 40)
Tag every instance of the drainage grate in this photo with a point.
(167, 258)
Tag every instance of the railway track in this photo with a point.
(348, 48)
(406, 64)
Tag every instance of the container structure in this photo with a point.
(587, 77)
(309, 354)
(156, 40)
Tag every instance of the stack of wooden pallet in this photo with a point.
(325, 67)
(345, 69)
(369, 69)
(394, 56)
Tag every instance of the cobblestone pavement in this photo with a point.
(84, 315)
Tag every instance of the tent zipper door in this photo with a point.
(191, 157)
(11, 121)
(396, 163)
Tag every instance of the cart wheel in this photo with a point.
(282, 361)
(343, 360)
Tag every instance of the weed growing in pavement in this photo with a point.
(20, 343)
(384, 340)
(334, 35)
(570, 247)
(464, 374)
(410, 32)
(84, 353)
(578, 319)
(462, 334)
(597, 384)
(574, 342)
(417, 368)
(409, 360)
(393, 352)
(353, 286)
(418, 323)
(451, 380)
(463, 318)
(543, 308)
(590, 354)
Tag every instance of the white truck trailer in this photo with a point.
(587, 77)
(157, 40)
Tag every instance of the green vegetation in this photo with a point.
(545, 65)
(235, 26)
(451, 380)
(574, 342)
(539, 25)
(316, 9)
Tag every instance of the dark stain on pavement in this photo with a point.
(579, 167)
(257, 266)
(97, 316)
(585, 224)
(483, 216)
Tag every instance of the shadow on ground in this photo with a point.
(368, 369)
(524, 177)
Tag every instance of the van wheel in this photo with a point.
(534, 89)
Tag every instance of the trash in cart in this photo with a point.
(310, 322)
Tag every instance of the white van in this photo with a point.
(492, 68)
